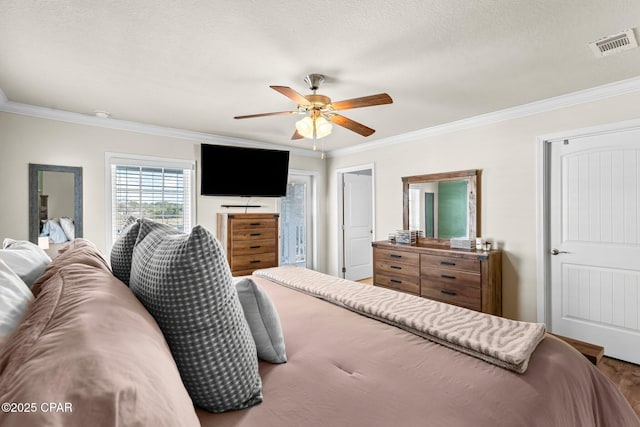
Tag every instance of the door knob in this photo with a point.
(554, 251)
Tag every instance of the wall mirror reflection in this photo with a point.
(55, 203)
(441, 205)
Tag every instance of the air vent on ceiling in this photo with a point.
(614, 43)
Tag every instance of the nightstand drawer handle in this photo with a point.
(444, 291)
(255, 261)
(254, 234)
(447, 263)
(395, 256)
(395, 281)
(256, 223)
(395, 267)
(446, 276)
(254, 247)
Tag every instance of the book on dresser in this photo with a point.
(250, 241)
(467, 278)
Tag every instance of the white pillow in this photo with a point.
(14, 300)
(53, 229)
(26, 259)
(68, 227)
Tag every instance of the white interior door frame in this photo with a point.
(543, 194)
(340, 211)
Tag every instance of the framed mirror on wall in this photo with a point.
(441, 205)
(55, 202)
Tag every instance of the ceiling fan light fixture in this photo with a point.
(323, 127)
(305, 127)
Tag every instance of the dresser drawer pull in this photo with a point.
(254, 261)
(447, 263)
(395, 256)
(446, 276)
(395, 281)
(256, 223)
(444, 291)
(395, 267)
(254, 247)
(254, 234)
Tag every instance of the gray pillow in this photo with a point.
(263, 321)
(122, 249)
(185, 283)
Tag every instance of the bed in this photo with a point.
(89, 353)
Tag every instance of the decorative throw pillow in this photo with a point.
(122, 249)
(68, 227)
(263, 321)
(185, 283)
(14, 299)
(26, 259)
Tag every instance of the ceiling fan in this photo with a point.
(321, 110)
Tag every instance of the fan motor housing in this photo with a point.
(318, 100)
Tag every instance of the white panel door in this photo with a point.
(358, 254)
(595, 236)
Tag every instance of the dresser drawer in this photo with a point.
(397, 268)
(253, 261)
(430, 261)
(453, 293)
(252, 233)
(251, 246)
(399, 282)
(397, 256)
(253, 223)
(447, 275)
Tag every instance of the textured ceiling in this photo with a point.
(195, 64)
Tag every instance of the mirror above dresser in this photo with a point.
(441, 205)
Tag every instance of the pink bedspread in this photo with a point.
(345, 369)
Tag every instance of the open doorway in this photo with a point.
(355, 221)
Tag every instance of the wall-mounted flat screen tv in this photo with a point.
(238, 171)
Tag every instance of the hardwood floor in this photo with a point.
(626, 376)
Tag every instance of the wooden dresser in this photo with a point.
(471, 279)
(249, 240)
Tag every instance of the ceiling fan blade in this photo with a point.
(279, 113)
(291, 94)
(350, 124)
(296, 135)
(365, 101)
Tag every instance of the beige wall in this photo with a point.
(506, 154)
(504, 151)
(25, 140)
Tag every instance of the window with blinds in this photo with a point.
(162, 194)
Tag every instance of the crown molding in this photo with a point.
(144, 128)
(580, 97)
